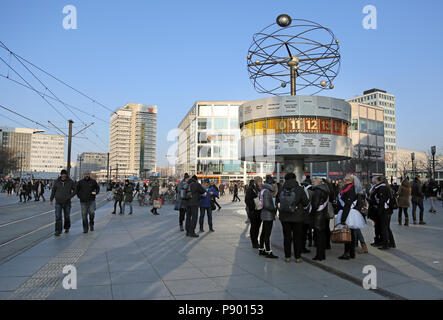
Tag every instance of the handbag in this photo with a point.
(342, 235)
(177, 206)
(158, 203)
(331, 211)
(258, 205)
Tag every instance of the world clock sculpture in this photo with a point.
(287, 57)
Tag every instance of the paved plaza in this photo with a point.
(146, 257)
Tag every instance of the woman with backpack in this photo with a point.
(292, 200)
(267, 216)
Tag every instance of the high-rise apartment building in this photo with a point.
(34, 151)
(380, 98)
(133, 140)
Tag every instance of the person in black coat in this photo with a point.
(319, 203)
(347, 197)
(373, 214)
(193, 205)
(417, 199)
(235, 198)
(252, 193)
(382, 198)
(292, 221)
(214, 199)
(86, 190)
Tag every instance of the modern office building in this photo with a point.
(380, 98)
(133, 140)
(34, 151)
(47, 153)
(368, 146)
(208, 141)
(90, 161)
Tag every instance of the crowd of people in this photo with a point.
(25, 190)
(305, 209)
(192, 196)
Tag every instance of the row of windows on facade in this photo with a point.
(391, 140)
(218, 110)
(390, 148)
(368, 126)
(375, 96)
(218, 123)
(392, 119)
(390, 125)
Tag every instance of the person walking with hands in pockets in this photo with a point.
(86, 190)
(63, 192)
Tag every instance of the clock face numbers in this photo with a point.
(295, 125)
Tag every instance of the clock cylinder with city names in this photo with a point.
(314, 128)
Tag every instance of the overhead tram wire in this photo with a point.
(34, 89)
(55, 78)
(46, 88)
(24, 126)
(42, 95)
(20, 115)
(47, 96)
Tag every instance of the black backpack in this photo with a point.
(393, 203)
(287, 201)
(185, 192)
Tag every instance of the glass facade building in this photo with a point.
(208, 141)
(380, 98)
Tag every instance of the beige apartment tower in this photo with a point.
(133, 141)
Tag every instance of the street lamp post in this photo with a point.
(433, 151)
(413, 158)
(21, 155)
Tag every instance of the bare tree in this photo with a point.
(8, 161)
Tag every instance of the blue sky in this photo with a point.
(174, 53)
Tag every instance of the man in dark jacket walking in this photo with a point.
(293, 199)
(254, 212)
(417, 199)
(235, 198)
(128, 192)
(192, 206)
(63, 191)
(86, 190)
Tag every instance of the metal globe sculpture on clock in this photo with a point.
(286, 52)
